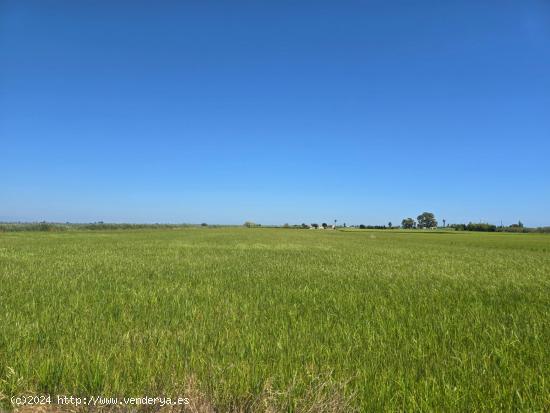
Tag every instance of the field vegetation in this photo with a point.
(262, 319)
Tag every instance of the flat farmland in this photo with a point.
(260, 319)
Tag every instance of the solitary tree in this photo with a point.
(315, 226)
(408, 223)
(389, 225)
(324, 225)
(426, 220)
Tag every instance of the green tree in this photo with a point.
(426, 220)
(408, 223)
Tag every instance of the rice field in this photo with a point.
(241, 319)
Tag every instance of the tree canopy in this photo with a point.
(408, 223)
(426, 220)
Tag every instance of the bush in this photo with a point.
(34, 226)
(481, 227)
(372, 226)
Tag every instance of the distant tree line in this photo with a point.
(424, 220)
(56, 227)
(32, 226)
(374, 227)
(485, 227)
(250, 224)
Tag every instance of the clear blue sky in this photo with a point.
(275, 111)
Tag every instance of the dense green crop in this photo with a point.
(284, 319)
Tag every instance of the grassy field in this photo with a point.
(259, 319)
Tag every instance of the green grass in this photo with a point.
(397, 321)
